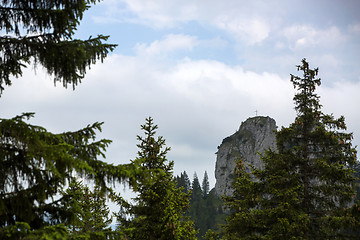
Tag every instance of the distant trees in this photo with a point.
(157, 211)
(306, 189)
(205, 184)
(205, 206)
(183, 181)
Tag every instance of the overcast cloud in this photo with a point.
(199, 68)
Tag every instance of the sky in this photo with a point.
(199, 69)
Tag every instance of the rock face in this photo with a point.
(254, 136)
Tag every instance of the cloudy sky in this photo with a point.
(199, 68)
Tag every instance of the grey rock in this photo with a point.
(254, 136)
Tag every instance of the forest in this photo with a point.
(53, 186)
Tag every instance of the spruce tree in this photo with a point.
(187, 182)
(90, 216)
(306, 188)
(198, 206)
(41, 32)
(157, 211)
(205, 185)
(36, 165)
(183, 182)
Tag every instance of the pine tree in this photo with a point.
(90, 216)
(196, 188)
(307, 186)
(183, 181)
(205, 185)
(197, 206)
(36, 165)
(187, 182)
(40, 32)
(157, 211)
(244, 221)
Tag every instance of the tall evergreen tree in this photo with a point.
(196, 188)
(197, 206)
(187, 181)
(205, 185)
(36, 165)
(157, 211)
(307, 185)
(41, 31)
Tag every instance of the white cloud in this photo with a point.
(195, 102)
(249, 22)
(250, 31)
(170, 43)
(161, 13)
(306, 36)
(341, 98)
(354, 28)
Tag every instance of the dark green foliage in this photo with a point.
(205, 185)
(157, 211)
(244, 220)
(357, 175)
(36, 164)
(22, 230)
(90, 216)
(41, 31)
(307, 186)
(183, 181)
(214, 209)
(211, 235)
(196, 192)
(205, 208)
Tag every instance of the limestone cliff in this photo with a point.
(254, 136)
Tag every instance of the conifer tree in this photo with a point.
(307, 186)
(157, 211)
(41, 32)
(36, 165)
(205, 185)
(90, 216)
(196, 198)
(197, 210)
(184, 182)
(187, 181)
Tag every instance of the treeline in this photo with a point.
(206, 208)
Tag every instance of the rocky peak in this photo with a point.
(254, 136)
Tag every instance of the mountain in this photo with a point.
(254, 136)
